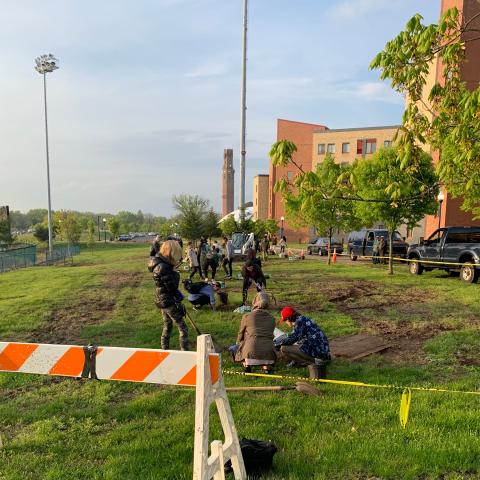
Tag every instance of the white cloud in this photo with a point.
(376, 91)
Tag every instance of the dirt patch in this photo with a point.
(405, 317)
(66, 322)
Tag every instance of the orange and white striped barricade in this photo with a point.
(169, 367)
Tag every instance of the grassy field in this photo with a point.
(56, 428)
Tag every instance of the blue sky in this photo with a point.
(148, 92)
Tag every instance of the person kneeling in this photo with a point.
(255, 336)
(200, 294)
(307, 344)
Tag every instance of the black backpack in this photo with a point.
(257, 457)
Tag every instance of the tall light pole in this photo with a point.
(282, 219)
(440, 198)
(105, 230)
(243, 112)
(47, 64)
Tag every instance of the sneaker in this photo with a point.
(291, 364)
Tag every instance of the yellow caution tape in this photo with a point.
(405, 407)
(415, 260)
(348, 383)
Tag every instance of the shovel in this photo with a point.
(216, 346)
(302, 387)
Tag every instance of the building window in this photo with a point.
(371, 146)
(345, 147)
(290, 176)
(387, 143)
(321, 149)
(366, 146)
(331, 148)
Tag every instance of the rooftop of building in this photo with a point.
(301, 123)
(358, 129)
(261, 175)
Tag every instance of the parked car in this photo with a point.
(360, 244)
(124, 238)
(456, 249)
(320, 246)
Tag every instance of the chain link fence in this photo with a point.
(22, 256)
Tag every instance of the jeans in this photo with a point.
(227, 263)
(194, 271)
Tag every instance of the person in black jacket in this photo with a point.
(167, 296)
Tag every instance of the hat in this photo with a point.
(287, 313)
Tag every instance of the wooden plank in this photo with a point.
(357, 346)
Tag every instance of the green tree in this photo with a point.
(315, 198)
(413, 197)
(91, 234)
(40, 232)
(68, 225)
(229, 226)
(449, 120)
(211, 229)
(191, 215)
(114, 227)
(5, 232)
(271, 226)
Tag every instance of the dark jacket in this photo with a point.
(155, 248)
(256, 275)
(166, 284)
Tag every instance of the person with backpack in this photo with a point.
(255, 336)
(212, 261)
(375, 251)
(193, 261)
(167, 295)
(307, 343)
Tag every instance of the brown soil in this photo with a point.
(402, 316)
(93, 306)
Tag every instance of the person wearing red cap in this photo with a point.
(307, 343)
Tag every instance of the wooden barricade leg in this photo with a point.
(206, 467)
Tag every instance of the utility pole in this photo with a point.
(244, 111)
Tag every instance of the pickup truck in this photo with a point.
(456, 249)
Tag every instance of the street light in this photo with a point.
(105, 230)
(440, 198)
(47, 64)
(282, 219)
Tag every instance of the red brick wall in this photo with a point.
(301, 134)
(451, 214)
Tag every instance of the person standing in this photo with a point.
(229, 254)
(265, 246)
(283, 246)
(375, 251)
(307, 343)
(193, 261)
(167, 295)
(381, 250)
(202, 251)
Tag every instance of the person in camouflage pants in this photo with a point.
(167, 296)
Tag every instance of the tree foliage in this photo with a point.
(68, 226)
(195, 217)
(317, 198)
(40, 232)
(415, 193)
(114, 227)
(5, 232)
(450, 120)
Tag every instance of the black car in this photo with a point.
(320, 246)
(360, 244)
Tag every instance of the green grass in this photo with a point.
(71, 429)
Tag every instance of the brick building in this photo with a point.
(451, 213)
(301, 134)
(260, 197)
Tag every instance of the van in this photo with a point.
(360, 244)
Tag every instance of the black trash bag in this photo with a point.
(257, 457)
